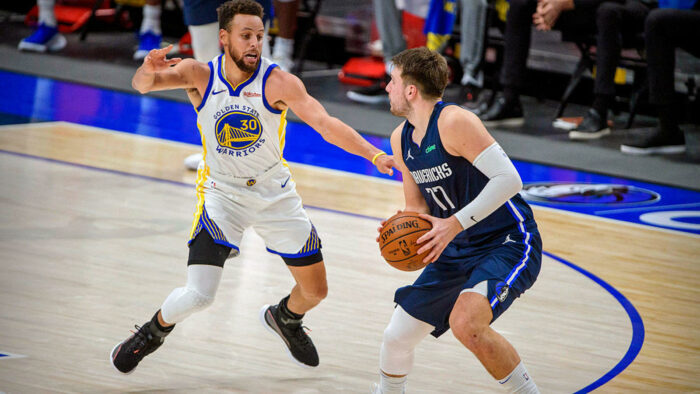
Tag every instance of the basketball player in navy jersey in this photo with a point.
(241, 101)
(484, 247)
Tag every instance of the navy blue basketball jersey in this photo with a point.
(448, 183)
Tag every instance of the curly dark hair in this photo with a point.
(424, 68)
(232, 8)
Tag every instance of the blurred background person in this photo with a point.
(615, 23)
(46, 36)
(283, 51)
(578, 15)
(665, 30)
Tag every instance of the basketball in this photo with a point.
(397, 241)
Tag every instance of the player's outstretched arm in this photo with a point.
(160, 73)
(286, 89)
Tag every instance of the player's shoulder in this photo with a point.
(395, 138)
(455, 120)
(456, 116)
(279, 78)
(396, 133)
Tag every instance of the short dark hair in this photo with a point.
(231, 8)
(424, 68)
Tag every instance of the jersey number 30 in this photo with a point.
(440, 200)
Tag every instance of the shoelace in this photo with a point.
(301, 334)
(141, 338)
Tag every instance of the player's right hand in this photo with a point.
(385, 163)
(156, 61)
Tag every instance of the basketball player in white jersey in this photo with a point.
(241, 101)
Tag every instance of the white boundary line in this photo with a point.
(10, 355)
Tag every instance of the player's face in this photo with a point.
(244, 41)
(397, 98)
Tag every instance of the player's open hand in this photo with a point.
(385, 164)
(156, 61)
(437, 239)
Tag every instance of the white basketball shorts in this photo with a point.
(269, 203)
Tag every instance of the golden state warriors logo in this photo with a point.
(238, 130)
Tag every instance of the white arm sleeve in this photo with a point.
(504, 182)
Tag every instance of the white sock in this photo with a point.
(519, 381)
(391, 385)
(151, 19)
(47, 16)
(283, 48)
(205, 41)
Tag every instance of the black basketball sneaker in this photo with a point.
(299, 346)
(127, 355)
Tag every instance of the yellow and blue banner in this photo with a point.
(440, 22)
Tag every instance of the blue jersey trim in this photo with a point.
(209, 85)
(294, 255)
(210, 227)
(312, 246)
(522, 264)
(216, 241)
(264, 99)
(237, 91)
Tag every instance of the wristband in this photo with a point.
(377, 155)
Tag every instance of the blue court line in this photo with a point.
(662, 207)
(636, 320)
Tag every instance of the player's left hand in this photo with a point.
(381, 225)
(385, 163)
(437, 239)
(156, 61)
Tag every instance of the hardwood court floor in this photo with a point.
(86, 253)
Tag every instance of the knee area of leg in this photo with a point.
(198, 300)
(393, 339)
(465, 329)
(315, 292)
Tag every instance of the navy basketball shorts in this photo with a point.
(509, 262)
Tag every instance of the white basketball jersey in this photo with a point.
(242, 134)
